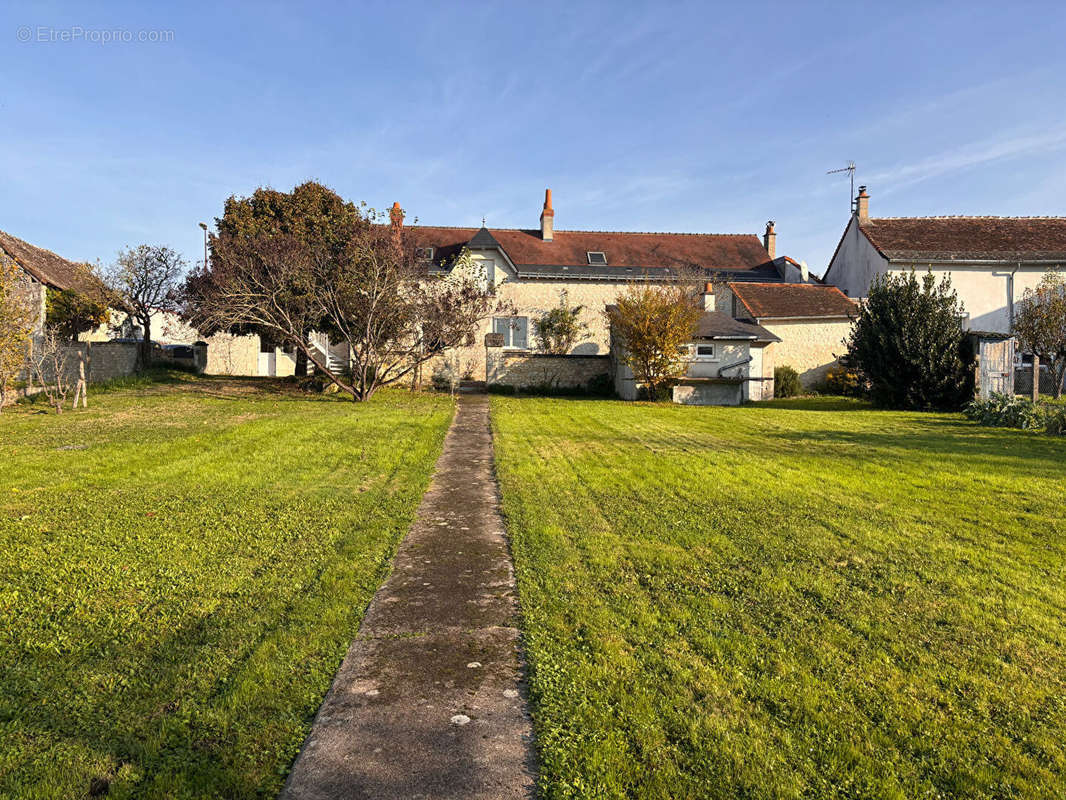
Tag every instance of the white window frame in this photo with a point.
(590, 253)
(695, 355)
(508, 326)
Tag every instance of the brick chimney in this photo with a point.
(769, 240)
(708, 297)
(862, 205)
(396, 215)
(547, 218)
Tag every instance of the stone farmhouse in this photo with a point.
(43, 269)
(537, 269)
(991, 260)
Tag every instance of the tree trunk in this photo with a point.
(146, 343)
(301, 363)
(1036, 377)
(1058, 371)
(301, 347)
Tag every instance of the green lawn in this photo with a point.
(806, 599)
(181, 571)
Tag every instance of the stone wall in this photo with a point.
(538, 370)
(103, 361)
(232, 355)
(108, 360)
(810, 347)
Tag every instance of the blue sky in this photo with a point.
(679, 117)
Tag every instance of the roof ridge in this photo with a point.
(963, 216)
(784, 283)
(37, 247)
(491, 228)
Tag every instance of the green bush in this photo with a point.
(909, 346)
(787, 382)
(1007, 411)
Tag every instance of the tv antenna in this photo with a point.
(850, 169)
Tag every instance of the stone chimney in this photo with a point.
(769, 240)
(396, 215)
(547, 218)
(862, 205)
(708, 297)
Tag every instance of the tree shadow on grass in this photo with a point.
(955, 442)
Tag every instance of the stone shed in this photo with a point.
(812, 321)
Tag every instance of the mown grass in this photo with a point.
(183, 568)
(803, 599)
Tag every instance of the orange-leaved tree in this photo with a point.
(655, 323)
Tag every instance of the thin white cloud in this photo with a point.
(974, 154)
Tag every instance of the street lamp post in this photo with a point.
(204, 226)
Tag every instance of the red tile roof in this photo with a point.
(978, 238)
(792, 300)
(570, 248)
(46, 266)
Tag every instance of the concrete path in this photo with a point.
(429, 700)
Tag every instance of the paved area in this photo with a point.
(429, 701)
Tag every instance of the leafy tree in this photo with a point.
(907, 343)
(560, 329)
(145, 280)
(71, 312)
(1040, 324)
(655, 324)
(311, 214)
(17, 319)
(364, 285)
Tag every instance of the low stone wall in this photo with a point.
(103, 361)
(537, 370)
(108, 360)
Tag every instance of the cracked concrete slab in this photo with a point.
(429, 700)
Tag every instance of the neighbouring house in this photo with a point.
(43, 269)
(991, 260)
(729, 362)
(538, 269)
(811, 321)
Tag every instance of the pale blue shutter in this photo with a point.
(520, 331)
(502, 325)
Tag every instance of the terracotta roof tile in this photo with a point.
(732, 252)
(980, 238)
(792, 300)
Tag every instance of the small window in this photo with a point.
(702, 352)
(515, 331)
(597, 257)
(424, 253)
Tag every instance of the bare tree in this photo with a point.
(366, 288)
(1040, 325)
(50, 366)
(145, 280)
(17, 319)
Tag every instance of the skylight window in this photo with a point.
(424, 253)
(597, 258)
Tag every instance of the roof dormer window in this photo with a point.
(597, 258)
(424, 253)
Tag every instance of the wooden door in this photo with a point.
(996, 367)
